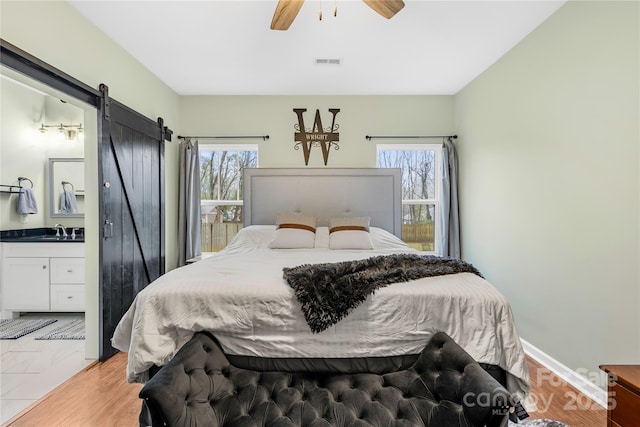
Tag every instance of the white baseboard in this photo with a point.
(582, 384)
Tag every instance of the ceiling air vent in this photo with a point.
(328, 61)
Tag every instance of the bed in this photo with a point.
(240, 294)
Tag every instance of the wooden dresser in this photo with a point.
(624, 395)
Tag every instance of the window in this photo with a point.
(221, 168)
(421, 174)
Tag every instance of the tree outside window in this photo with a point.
(420, 165)
(221, 169)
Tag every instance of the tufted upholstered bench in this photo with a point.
(445, 387)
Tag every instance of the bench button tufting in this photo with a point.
(394, 401)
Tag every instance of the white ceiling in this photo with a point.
(226, 47)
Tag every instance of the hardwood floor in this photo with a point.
(100, 396)
(557, 400)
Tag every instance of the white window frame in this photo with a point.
(436, 200)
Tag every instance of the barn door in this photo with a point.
(132, 210)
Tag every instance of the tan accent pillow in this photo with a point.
(346, 223)
(292, 220)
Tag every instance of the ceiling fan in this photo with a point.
(286, 11)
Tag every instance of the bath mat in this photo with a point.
(11, 329)
(66, 330)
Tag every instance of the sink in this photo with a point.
(44, 238)
(50, 239)
(38, 235)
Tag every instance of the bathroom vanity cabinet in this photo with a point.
(42, 277)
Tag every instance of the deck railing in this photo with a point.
(215, 236)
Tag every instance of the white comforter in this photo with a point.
(240, 296)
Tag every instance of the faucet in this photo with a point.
(57, 227)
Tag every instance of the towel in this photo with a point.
(68, 202)
(27, 201)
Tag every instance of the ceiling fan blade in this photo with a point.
(285, 13)
(386, 8)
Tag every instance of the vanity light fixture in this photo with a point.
(71, 132)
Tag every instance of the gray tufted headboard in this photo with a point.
(324, 193)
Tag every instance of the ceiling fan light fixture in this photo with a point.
(287, 10)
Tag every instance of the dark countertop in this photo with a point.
(39, 235)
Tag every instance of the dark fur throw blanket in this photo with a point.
(328, 292)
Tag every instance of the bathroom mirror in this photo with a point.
(66, 187)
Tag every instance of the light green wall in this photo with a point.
(549, 182)
(24, 151)
(359, 116)
(57, 34)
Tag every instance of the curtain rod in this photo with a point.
(263, 137)
(369, 138)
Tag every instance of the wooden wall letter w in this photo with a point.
(317, 136)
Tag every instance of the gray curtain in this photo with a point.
(450, 221)
(189, 238)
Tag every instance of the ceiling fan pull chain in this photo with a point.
(335, 9)
(320, 13)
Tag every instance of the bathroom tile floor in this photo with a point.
(30, 368)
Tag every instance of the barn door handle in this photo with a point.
(108, 229)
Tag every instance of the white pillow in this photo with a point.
(293, 238)
(349, 233)
(294, 231)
